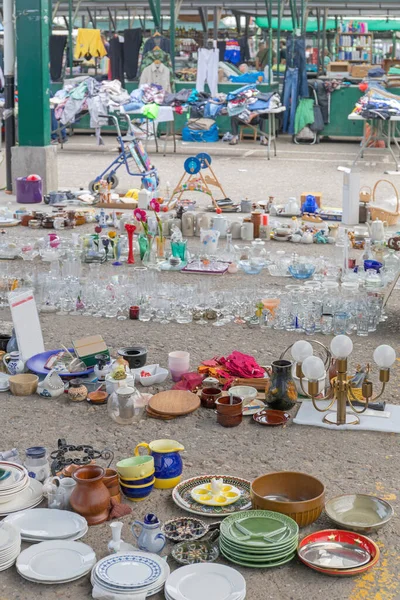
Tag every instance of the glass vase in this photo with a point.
(143, 245)
(178, 249)
(160, 245)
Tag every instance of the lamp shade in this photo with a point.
(301, 350)
(384, 356)
(313, 368)
(341, 346)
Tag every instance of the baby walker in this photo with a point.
(131, 153)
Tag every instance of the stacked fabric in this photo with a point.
(378, 103)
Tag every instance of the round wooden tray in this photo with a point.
(174, 403)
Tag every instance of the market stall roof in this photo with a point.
(377, 25)
(356, 8)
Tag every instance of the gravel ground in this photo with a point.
(351, 461)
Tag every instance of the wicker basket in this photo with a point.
(365, 193)
(378, 212)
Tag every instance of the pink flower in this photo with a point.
(140, 215)
(154, 205)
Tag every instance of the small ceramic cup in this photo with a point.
(135, 467)
(229, 414)
(209, 395)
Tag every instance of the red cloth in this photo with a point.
(189, 382)
(241, 365)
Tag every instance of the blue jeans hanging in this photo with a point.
(290, 99)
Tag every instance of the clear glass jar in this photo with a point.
(36, 462)
(340, 323)
(126, 405)
(326, 323)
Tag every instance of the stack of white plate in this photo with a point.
(123, 575)
(45, 524)
(10, 545)
(205, 580)
(58, 561)
(13, 480)
(25, 491)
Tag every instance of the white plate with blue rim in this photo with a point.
(130, 571)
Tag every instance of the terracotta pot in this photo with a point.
(112, 484)
(229, 415)
(209, 396)
(91, 498)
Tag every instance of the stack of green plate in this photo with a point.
(259, 538)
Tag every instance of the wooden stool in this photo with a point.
(243, 135)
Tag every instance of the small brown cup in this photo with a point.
(209, 396)
(229, 415)
(112, 484)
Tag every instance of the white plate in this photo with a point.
(10, 494)
(129, 595)
(130, 571)
(18, 473)
(9, 536)
(78, 536)
(47, 523)
(56, 561)
(170, 597)
(29, 497)
(205, 580)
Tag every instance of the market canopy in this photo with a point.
(312, 24)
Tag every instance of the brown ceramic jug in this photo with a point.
(91, 498)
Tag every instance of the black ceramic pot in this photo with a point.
(4, 339)
(135, 355)
(282, 393)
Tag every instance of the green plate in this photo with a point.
(261, 549)
(258, 556)
(259, 523)
(268, 565)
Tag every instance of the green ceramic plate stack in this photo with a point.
(259, 538)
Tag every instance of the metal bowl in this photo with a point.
(359, 512)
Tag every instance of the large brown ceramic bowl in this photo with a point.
(297, 495)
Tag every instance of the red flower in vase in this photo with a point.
(154, 205)
(130, 229)
(140, 215)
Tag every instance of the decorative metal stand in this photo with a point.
(87, 455)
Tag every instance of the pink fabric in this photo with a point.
(241, 365)
(189, 382)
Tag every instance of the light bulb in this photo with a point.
(313, 368)
(384, 356)
(301, 350)
(341, 346)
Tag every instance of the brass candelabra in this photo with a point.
(313, 369)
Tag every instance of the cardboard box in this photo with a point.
(317, 196)
(87, 348)
(360, 71)
(338, 67)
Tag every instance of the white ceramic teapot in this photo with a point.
(377, 230)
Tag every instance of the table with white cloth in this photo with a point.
(378, 133)
(165, 115)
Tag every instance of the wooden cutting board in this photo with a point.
(155, 415)
(174, 403)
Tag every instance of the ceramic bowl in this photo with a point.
(136, 494)
(135, 355)
(209, 395)
(297, 495)
(138, 481)
(184, 529)
(97, 397)
(4, 382)
(359, 512)
(113, 384)
(247, 393)
(23, 384)
(135, 467)
(157, 375)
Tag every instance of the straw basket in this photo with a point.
(377, 212)
(365, 193)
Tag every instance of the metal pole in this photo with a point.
(50, 16)
(215, 29)
(172, 32)
(70, 43)
(9, 70)
(324, 38)
(270, 44)
(278, 38)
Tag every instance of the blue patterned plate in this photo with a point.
(127, 571)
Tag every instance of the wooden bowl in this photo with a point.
(23, 384)
(305, 495)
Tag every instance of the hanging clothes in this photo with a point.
(232, 52)
(153, 55)
(221, 47)
(207, 70)
(133, 40)
(295, 84)
(158, 40)
(57, 45)
(157, 73)
(89, 43)
(116, 54)
(244, 49)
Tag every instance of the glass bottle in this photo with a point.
(12, 345)
(392, 264)
(367, 254)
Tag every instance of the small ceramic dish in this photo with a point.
(246, 392)
(271, 417)
(157, 375)
(203, 494)
(359, 512)
(198, 551)
(184, 529)
(97, 397)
